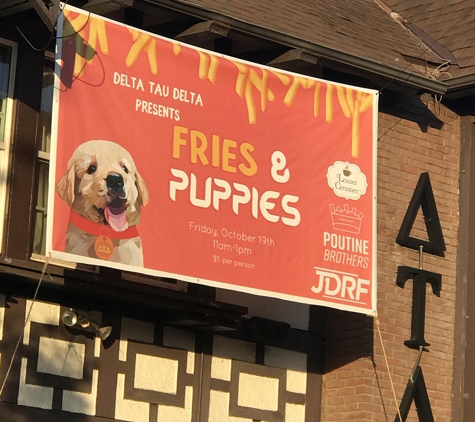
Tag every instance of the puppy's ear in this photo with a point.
(65, 185)
(142, 188)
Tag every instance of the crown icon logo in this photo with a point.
(346, 220)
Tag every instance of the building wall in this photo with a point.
(415, 136)
(464, 364)
(151, 372)
(236, 380)
(147, 372)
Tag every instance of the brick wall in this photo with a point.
(416, 135)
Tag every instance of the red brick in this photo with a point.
(404, 152)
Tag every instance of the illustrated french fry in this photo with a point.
(255, 79)
(204, 65)
(79, 60)
(241, 84)
(316, 99)
(261, 83)
(89, 54)
(306, 83)
(366, 104)
(102, 35)
(241, 67)
(292, 92)
(350, 100)
(251, 106)
(97, 32)
(86, 46)
(340, 91)
(90, 50)
(93, 34)
(264, 89)
(355, 132)
(329, 103)
(136, 48)
(270, 95)
(79, 24)
(283, 78)
(152, 56)
(241, 80)
(213, 69)
(359, 96)
(135, 34)
(68, 29)
(248, 79)
(176, 48)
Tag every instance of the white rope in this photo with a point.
(387, 367)
(24, 326)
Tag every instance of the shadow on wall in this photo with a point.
(348, 337)
(412, 108)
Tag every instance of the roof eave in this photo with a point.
(461, 86)
(392, 76)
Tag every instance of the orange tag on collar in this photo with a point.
(104, 247)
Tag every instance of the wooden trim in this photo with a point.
(317, 317)
(463, 408)
(28, 83)
(108, 292)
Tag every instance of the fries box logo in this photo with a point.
(347, 180)
(174, 161)
(346, 220)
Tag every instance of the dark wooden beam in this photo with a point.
(294, 59)
(298, 61)
(203, 34)
(107, 6)
(48, 12)
(243, 43)
(8, 7)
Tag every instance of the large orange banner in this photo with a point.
(173, 161)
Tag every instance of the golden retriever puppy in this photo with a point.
(105, 192)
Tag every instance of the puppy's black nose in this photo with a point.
(115, 182)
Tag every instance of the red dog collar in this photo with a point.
(98, 229)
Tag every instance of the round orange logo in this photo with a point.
(104, 247)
